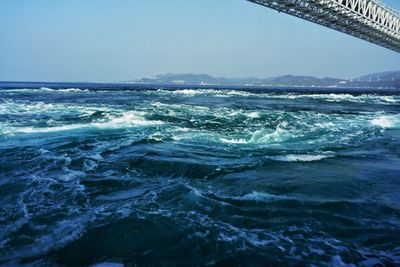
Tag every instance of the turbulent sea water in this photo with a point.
(196, 177)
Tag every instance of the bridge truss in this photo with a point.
(369, 20)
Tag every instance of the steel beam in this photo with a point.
(369, 20)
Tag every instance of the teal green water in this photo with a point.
(195, 177)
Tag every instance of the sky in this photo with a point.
(121, 40)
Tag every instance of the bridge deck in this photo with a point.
(369, 20)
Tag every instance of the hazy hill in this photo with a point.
(390, 79)
(382, 79)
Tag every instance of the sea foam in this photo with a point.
(386, 121)
(127, 120)
(301, 158)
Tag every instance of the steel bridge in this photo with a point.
(369, 20)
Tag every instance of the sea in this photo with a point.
(158, 175)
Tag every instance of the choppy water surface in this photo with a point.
(198, 177)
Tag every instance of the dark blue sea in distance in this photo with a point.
(145, 175)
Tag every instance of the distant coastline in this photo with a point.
(390, 79)
(368, 83)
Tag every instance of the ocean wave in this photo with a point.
(194, 92)
(234, 141)
(263, 136)
(257, 196)
(46, 90)
(332, 97)
(125, 120)
(260, 197)
(19, 107)
(71, 90)
(301, 157)
(189, 92)
(387, 121)
(297, 129)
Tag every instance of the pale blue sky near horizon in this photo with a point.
(106, 41)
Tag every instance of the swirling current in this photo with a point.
(199, 177)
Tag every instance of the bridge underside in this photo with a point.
(364, 19)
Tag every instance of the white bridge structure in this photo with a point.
(369, 20)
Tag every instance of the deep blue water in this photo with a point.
(192, 177)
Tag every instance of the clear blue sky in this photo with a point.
(104, 40)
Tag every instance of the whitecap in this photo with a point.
(29, 107)
(260, 196)
(301, 158)
(261, 136)
(194, 92)
(127, 120)
(188, 92)
(47, 129)
(234, 141)
(238, 93)
(333, 97)
(67, 90)
(47, 89)
(384, 121)
(253, 115)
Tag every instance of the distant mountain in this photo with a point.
(382, 79)
(185, 79)
(291, 80)
(390, 79)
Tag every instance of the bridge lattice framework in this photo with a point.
(369, 20)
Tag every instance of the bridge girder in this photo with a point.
(369, 20)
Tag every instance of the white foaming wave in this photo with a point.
(193, 92)
(253, 196)
(234, 141)
(302, 157)
(29, 107)
(190, 92)
(337, 97)
(47, 129)
(239, 93)
(333, 97)
(260, 196)
(325, 125)
(383, 121)
(45, 89)
(387, 121)
(11, 107)
(71, 90)
(127, 120)
(64, 90)
(262, 136)
(187, 92)
(182, 107)
(253, 115)
(327, 97)
(278, 135)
